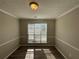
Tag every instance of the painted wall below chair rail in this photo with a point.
(9, 34)
(67, 34)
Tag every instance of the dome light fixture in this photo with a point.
(34, 6)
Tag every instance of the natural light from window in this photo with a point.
(30, 54)
(37, 33)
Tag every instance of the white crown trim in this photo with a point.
(1, 10)
(72, 9)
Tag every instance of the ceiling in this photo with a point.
(47, 9)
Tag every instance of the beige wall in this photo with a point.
(67, 34)
(9, 34)
(50, 31)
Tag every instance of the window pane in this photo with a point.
(37, 38)
(37, 28)
(43, 28)
(43, 38)
(30, 28)
(31, 41)
(44, 33)
(31, 36)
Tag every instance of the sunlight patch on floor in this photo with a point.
(38, 49)
(48, 54)
(30, 54)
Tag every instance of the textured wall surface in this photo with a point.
(67, 34)
(9, 34)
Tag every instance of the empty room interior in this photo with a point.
(39, 29)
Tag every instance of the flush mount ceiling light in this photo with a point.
(34, 6)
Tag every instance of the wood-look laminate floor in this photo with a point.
(36, 52)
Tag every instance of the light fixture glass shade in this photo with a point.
(34, 6)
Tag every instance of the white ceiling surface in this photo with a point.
(47, 9)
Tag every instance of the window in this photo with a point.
(37, 33)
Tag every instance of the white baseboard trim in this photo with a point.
(11, 53)
(61, 53)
